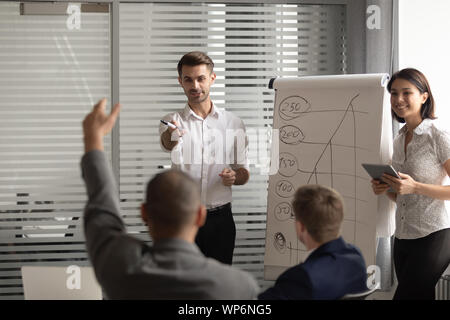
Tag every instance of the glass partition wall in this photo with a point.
(56, 62)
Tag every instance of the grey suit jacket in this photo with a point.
(128, 268)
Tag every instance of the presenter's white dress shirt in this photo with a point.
(206, 147)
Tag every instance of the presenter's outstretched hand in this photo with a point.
(175, 133)
(378, 187)
(97, 124)
(228, 177)
(171, 136)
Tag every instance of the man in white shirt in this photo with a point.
(211, 145)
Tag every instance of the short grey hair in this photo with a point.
(172, 199)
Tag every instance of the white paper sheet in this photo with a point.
(328, 126)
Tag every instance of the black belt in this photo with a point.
(225, 206)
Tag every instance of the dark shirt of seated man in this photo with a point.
(334, 268)
(173, 267)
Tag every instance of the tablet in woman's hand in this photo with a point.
(377, 170)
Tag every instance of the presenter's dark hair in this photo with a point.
(419, 80)
(320, 209)
(195, 58)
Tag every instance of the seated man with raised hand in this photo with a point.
(128, 268)
(334, 268)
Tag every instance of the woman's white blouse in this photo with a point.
(418, 215)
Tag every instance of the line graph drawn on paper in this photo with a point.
(327, 126)
(308, 156)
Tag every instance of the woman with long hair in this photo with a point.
(422, 158)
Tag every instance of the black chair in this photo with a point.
(361, 295)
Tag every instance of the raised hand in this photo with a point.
(97, 124)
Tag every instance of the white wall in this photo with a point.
(424, 27)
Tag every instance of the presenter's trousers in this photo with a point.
(216, 238)
(419, 263)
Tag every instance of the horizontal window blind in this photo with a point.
(249, 44)
(50, 76)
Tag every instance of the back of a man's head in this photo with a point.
(172, 200)
(321, 210)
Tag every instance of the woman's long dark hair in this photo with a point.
(418, 79)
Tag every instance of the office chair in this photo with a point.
(361, 295)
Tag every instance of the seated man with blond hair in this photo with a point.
(335, 268)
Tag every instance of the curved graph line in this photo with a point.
(314, 173)
(280, 242)
(332, 136)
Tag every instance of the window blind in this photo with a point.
(50, 77)
(249, 43)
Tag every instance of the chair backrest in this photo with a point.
(360, 295)
(60, 283)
